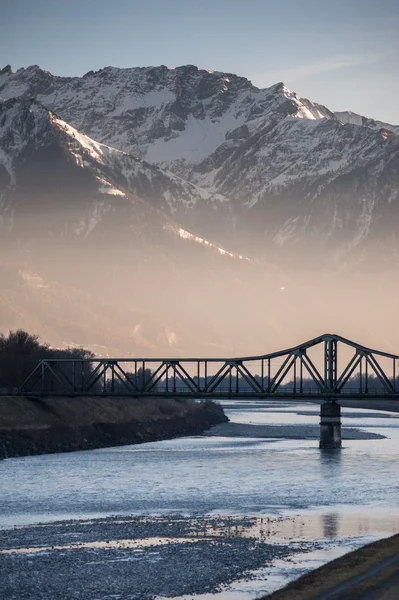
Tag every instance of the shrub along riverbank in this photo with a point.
(31, 426)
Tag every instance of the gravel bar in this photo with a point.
(132, 558)
(294, 432)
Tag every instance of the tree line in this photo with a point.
(20, 352)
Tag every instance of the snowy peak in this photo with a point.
(173, 117)
(29, 130)
(221, 156)
(355, 119)
(301, 108)
(27, 126)
(6, 70)
(23, 124)
(21, 120)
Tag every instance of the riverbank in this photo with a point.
(31, 426)
(366, 574)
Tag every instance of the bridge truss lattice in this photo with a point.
(328, 366)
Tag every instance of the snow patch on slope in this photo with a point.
(200, 138)
(348, 117)
(98, 152)
(90, 220)
(186, 235)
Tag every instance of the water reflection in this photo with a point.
(330, 461)
(298, 527)
(330, 525)
(131, 544)
(311, 525)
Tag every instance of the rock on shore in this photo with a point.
(31, 426)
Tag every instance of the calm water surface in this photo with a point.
(218, 475)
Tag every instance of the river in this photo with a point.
(338, 500)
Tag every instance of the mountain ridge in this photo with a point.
(217, 200)
(269, 156)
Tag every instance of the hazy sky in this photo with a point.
(343, 53)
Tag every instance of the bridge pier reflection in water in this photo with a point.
(328, 368)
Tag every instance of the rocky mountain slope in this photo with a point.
(355, 119)
(296, 174)
(84, 259)
(28, 128)
(155, 194)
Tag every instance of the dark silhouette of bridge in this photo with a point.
(328, 367)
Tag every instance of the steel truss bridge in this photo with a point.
(327, 367)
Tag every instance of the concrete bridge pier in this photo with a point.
(330, 425)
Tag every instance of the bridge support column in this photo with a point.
(330, 425)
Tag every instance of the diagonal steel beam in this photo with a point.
(124, 379)
(93, 376)
(153, 379)
(271, 383)
(156, 377)
(283, 373)
(32, 379)
(380, 374)
(250, 378)
(126, 376)
(347, 372)
(188, 380)
(217, 378)
(216, 381)
(99, 372)
(47, 365)
(313, 372)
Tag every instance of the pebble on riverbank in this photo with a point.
(174, 556)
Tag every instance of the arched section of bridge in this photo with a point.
(326, 368)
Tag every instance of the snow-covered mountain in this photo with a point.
(78, 247)
(294, 173)
(27, 127)
(172, 117)
(355, 119)
(48, 169)
(155, 194)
